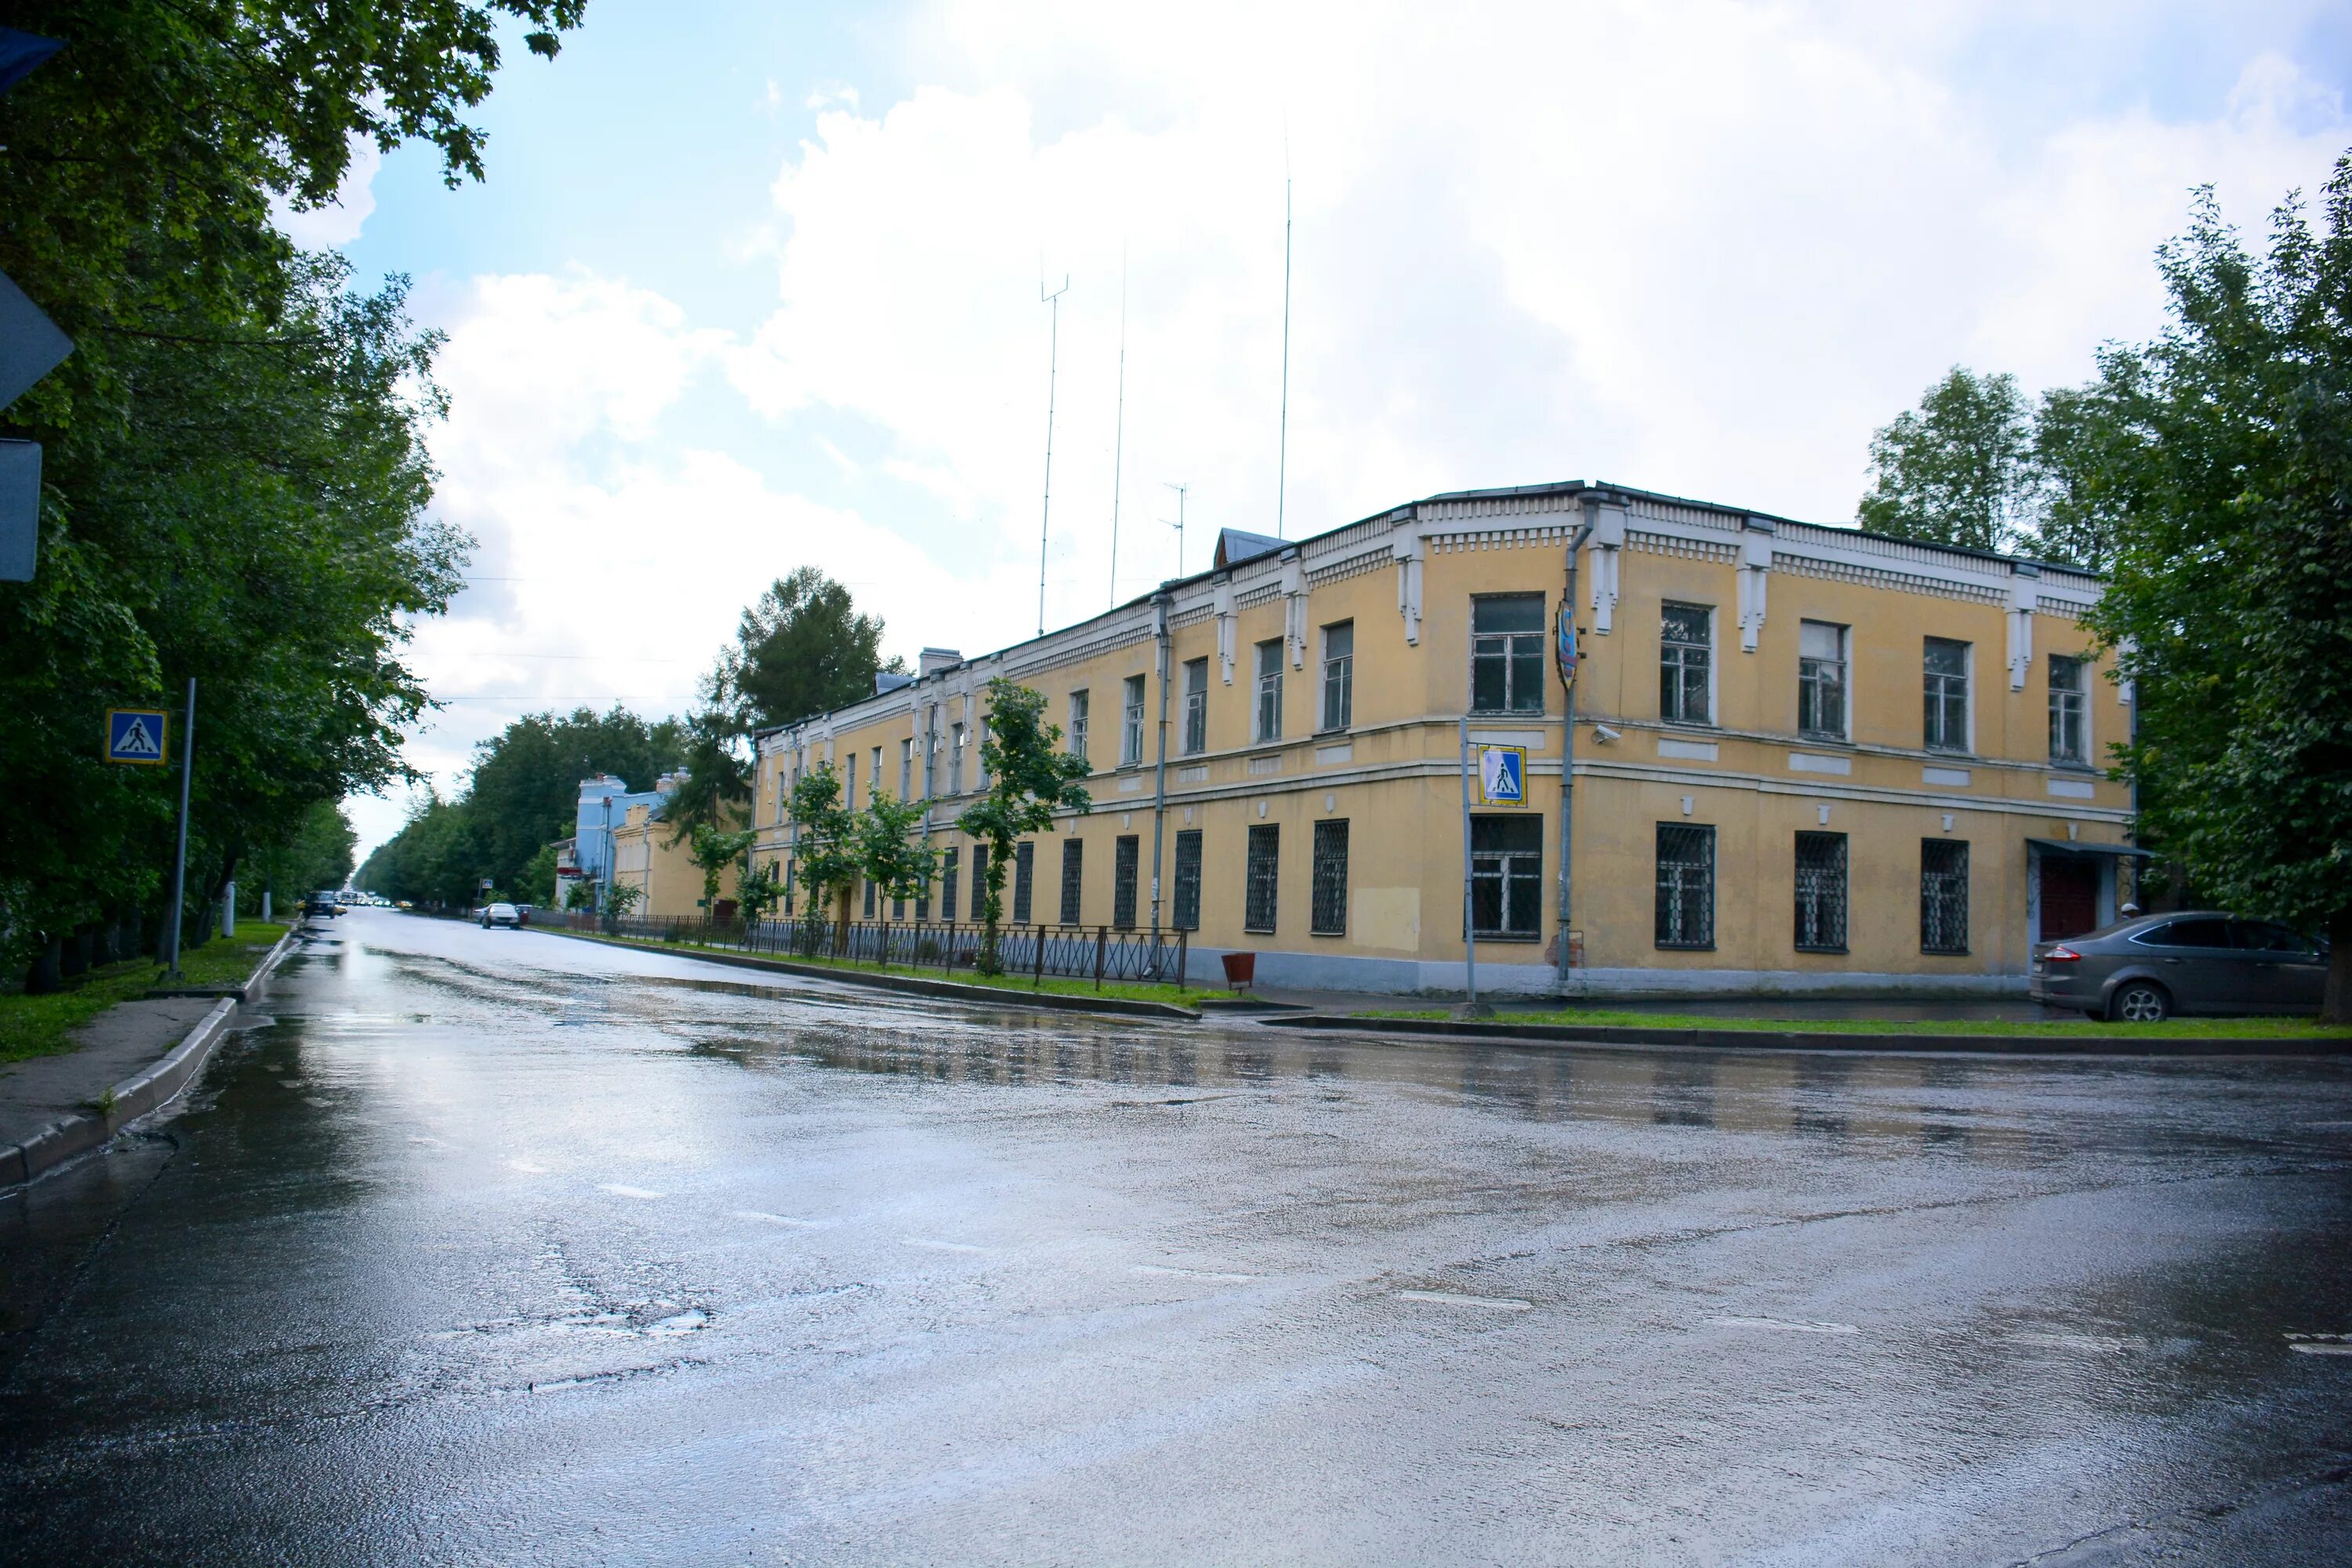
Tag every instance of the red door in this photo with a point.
(2070, 895)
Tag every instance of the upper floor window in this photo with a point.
(1196, 706)
(955, 759)
(873, 777)
(906, 768)
(1269, 689)
(849, 781)
(1079, 703)
(1821, 680)
(1947, 676)
(1338, 676)
(1130, 722)
(1687, 664)
(1506, 653)
(2070, 710)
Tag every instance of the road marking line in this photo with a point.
(1449, 1298)
(1195, 1274)
(619, 1191)
(779, 1218)
(2320, 1345)
(1794, 1326)
(942, 1246)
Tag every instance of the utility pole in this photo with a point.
(1118, 435)
(1053, 362)
(1179, 524)
(1282, 452)
(1567, 657)
(180, 859)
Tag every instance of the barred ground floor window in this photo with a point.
(979, 881)
(1264, 863)
(1188, 879)
(1507, 877)
(1126, 854)
(1074, 878)
(950, 865)
(869, 896)
(1329, 916)
(1943, 895)
(1025, 881)
(1685, 912)
(1821, 892)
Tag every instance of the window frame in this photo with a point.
(1074, 881)
(1338, 679)
(1132, 697)
(1126, 873)
(1808, 683)
(1262, 873)
(1936, 697)
(1681, 667)
(1703, 833)
(1081, 701)
(1196, 707)
(2070, 707)
(1186, 908)
(1327, 915)
(1832, 909)
(1510, 654)
(1025, 883)
(1931, 917)
(1519, 869)
(1266, 691)
(906, 768)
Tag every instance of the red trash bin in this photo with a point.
(1241, 969)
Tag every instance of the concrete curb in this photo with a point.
(141, 1093)
(994, 996)
(252, 986)
(1822, 1040)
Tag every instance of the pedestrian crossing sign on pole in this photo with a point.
(1502, 777)
(135, 735)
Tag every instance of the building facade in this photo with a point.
(1802, 759)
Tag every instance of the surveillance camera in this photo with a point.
(1603, 732)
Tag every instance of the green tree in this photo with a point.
(1030, 778)
(620, 898)
(890, 850)
(759, 892)
(1959, 469)
(824, 843)
(524, 790)
(2225, 447)
(714, 851)
(317, 854)
(802, 648)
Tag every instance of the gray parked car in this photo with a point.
(2151, 967)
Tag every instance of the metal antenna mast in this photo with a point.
(1119, 438)
(1179, 524)
(1052, 363)
(1282, 458)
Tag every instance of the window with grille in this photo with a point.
(1685, 886)
(923, 902)
(951, 869)
(870, 897)
(1265, 862)
(1943, 895)
(1126, 856)
(2070, 740)
(1506, 653)
(1078, 701)
(1196, 706)
(1821, 680)
(1821, 892)
(1947, 675)
(1024, 880)
(1507, 877)
(1188, 879)
(1074, 877)
(1338, 676)
(979, 881)
(1686, 664)
(1130, 722)
(1269, 689)
(1329, 915)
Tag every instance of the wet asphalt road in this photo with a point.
(500, 1247)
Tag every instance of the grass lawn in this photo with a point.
(2180, 1028)
(1129, 991)
(39, 1025)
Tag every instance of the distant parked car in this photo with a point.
(500, 915)
(322, 904)
(2146, 969)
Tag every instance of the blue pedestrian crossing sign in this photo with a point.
(135, 735)
(1502, 775)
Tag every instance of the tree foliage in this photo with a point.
(316, 854)
(714, 851)
(2225, 446)
(802, 648)
(824, 839)
(1030, 778)
(891, 853)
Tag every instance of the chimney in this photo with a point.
(932, 660)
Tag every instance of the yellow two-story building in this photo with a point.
(1799, 758)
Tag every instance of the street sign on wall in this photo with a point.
(1501, 775)
(135, 735)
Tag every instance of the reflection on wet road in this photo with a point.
(496, 1247)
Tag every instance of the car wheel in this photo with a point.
(2141, 1002)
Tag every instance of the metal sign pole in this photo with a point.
(1469, 909)
(180, 860)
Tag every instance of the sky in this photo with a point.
(750, 286)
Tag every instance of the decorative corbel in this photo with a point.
(1603, 549)
(2024, 597)
(1405, 546)
(1755, 571)
(1223, 600)
(1293, 607)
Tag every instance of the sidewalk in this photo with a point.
(1793, 1009)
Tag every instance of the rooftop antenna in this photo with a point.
(1179, 524)
(1118, 437)
(1052, 363)
(1282, 457)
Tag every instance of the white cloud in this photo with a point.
(338, 222)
